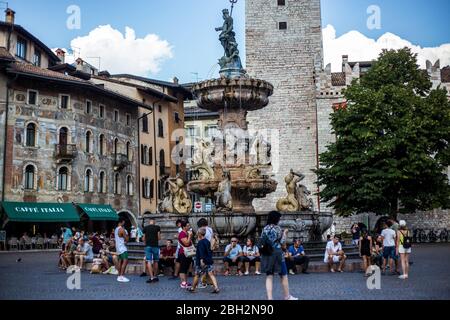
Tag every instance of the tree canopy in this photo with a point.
(392, 142)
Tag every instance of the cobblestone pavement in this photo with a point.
(37, 277)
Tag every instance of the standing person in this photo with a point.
(299, 256)
(67, 235)
(389, 247)
(404, 247)
(209, 235)
(152, 235)
(177, 260)
(185, 240)
(204, 261)
(121, 238)
(365, 248)
(251, 256)
(133, 234)
(393, 224)
(272, 260)
(355, 234)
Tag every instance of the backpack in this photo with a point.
(407, 241)
(215, 242)
(264, 246)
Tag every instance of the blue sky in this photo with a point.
(188, 25)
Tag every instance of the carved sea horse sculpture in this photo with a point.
(201, 161)
(224, 201)
(297, 193)
(177, 199)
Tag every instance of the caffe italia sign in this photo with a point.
(40, 212)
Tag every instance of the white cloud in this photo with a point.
(361, 48)
(121, 53)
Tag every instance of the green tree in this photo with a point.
(392, 142)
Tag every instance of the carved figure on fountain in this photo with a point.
(297, 194)
(176, 199)
(224, 201)
(202, 161)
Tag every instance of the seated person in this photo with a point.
(67, 256)
(251, 257)
(335, 254)
(298, 256)
(167, 257)
(96, 244)
(84, 253)
(232, 257)
(109, 257)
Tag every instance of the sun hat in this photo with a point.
(402, 223)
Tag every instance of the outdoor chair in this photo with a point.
(39, 243)
(13, 243)
(53, 243)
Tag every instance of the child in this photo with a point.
(204, 261)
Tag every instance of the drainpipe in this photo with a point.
(156, 154)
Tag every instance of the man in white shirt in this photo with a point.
(389, 246)
(335, 254)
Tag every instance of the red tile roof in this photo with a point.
(20, 67)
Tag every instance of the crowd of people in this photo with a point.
(193, 255)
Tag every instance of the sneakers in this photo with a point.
(291, 298)
(202, 286)
(185, 285)
(152, 280)
(247, 273)
(107, 271)
(403, 277)
(114, 271)
(143, 274)
(258, 273)
(122, 279)
(291, 272)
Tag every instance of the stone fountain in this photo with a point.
(235, 167)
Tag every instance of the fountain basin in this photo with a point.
(227, 225)
(237, 93)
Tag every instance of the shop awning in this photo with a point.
(40, 212)
(99, 212)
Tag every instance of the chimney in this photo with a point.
(10, 16)
(61, 54)
(175, 80)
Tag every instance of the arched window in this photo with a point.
(101, 144)
(116, 183)
(145, 124)
(88, 181)
(102, 182)
(29, 177)
(129, 186)
(162, 162)
(88, 142)
(150, 156)
(31, 135)
(116, 146)
(160, 128)
(128, 151)
(152, 189)
(63, 178)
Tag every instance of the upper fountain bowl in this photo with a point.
(237, 93)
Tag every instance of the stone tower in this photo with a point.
(284, 47)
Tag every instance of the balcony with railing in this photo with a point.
(120, 161)
(65, 152)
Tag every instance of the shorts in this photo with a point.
(389, 252)
(152, 254)
(123, 256)
(205, 270)
(252, 260)
(185, 263)
(336, 259)
(403, 250)
(230, 261)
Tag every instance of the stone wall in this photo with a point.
(435, 219)
(288, 59)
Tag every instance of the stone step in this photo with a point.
(352, 265)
